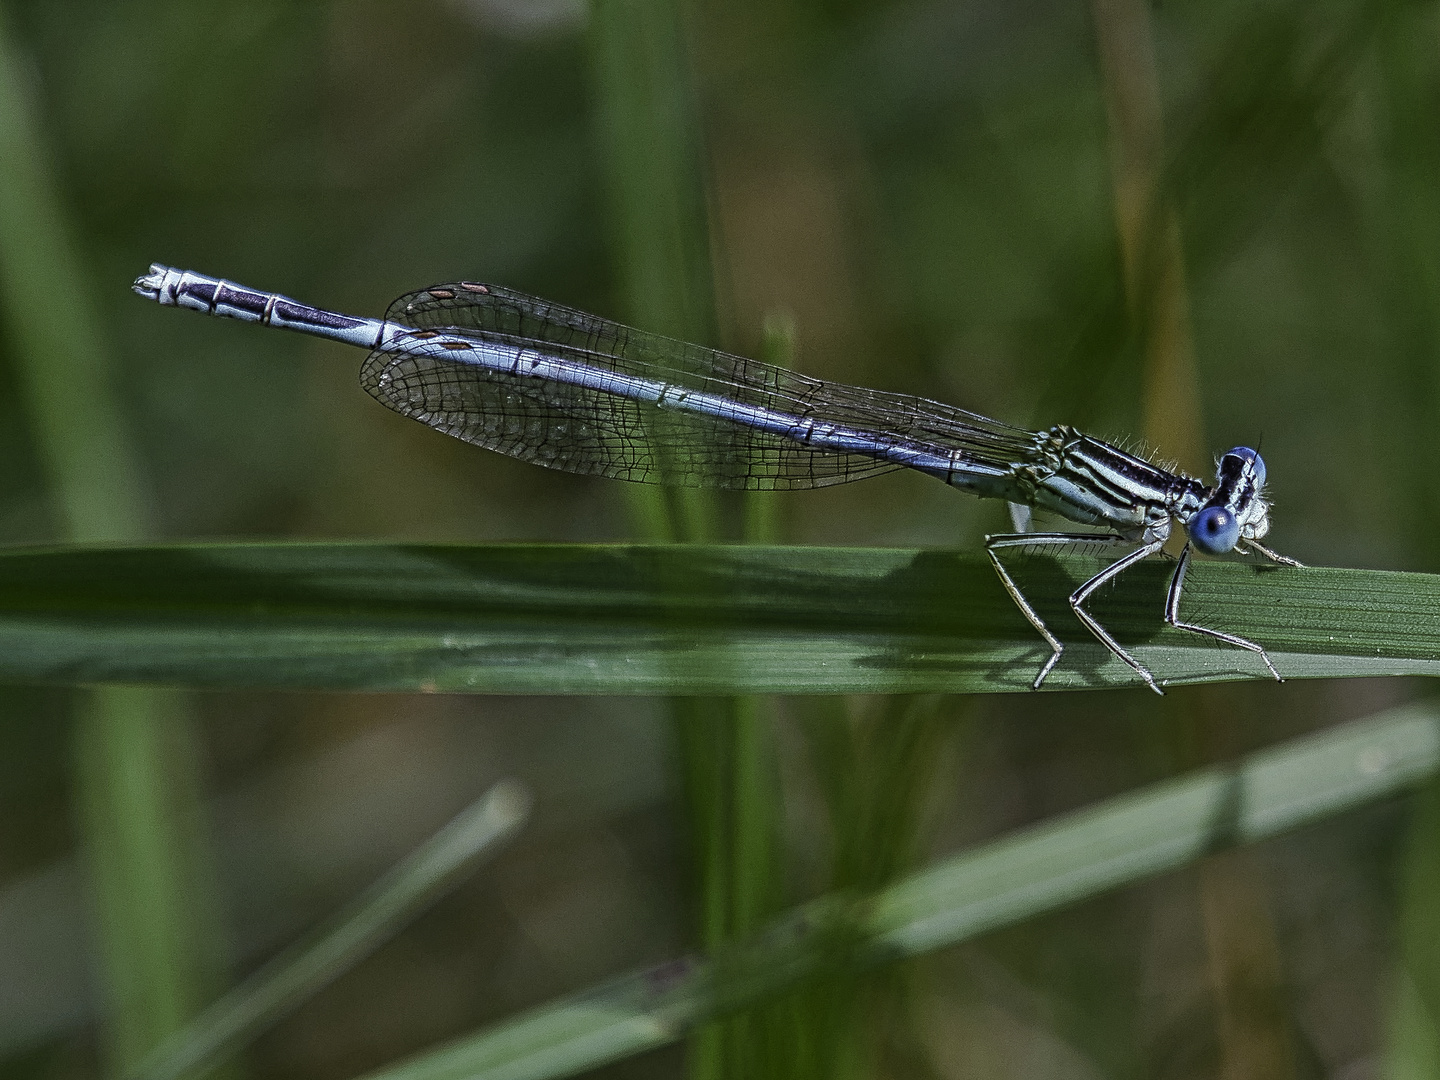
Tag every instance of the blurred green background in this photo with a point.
(1187, 225)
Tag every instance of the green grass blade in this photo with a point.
(647, 130)
(60, 357)
(356, 931)
(138, 774)
(138, 788)
(1412, 1035)
(1016, 878)
(693, 620)
(1402, 205)
(1158, 829)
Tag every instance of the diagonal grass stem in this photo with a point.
(352, 934)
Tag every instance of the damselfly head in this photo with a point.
(1242, 476)
(1236, 509)
(1240, 466)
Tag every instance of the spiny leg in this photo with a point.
(1172, 609)
(1009, 540)
(1273, 556)
(1110, 573)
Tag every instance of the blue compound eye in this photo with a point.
(1246, 454)
(1214, 530)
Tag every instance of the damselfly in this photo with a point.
(571, 391)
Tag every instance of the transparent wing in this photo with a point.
(592, 432)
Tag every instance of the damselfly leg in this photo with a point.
(1177, 584)
(1077, 599)
(1274, 556)
(993, 544)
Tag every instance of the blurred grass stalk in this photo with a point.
(878, 771)
(1151, 251)
(1405, 214)
(650, 130)
(292, 977)
(1240, 938)
(1033, 870)
(646, 115)
(651, 147)
(137, 772)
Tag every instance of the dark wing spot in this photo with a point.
(456, 345)
(442, 294)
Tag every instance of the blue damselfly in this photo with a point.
(571, 391)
